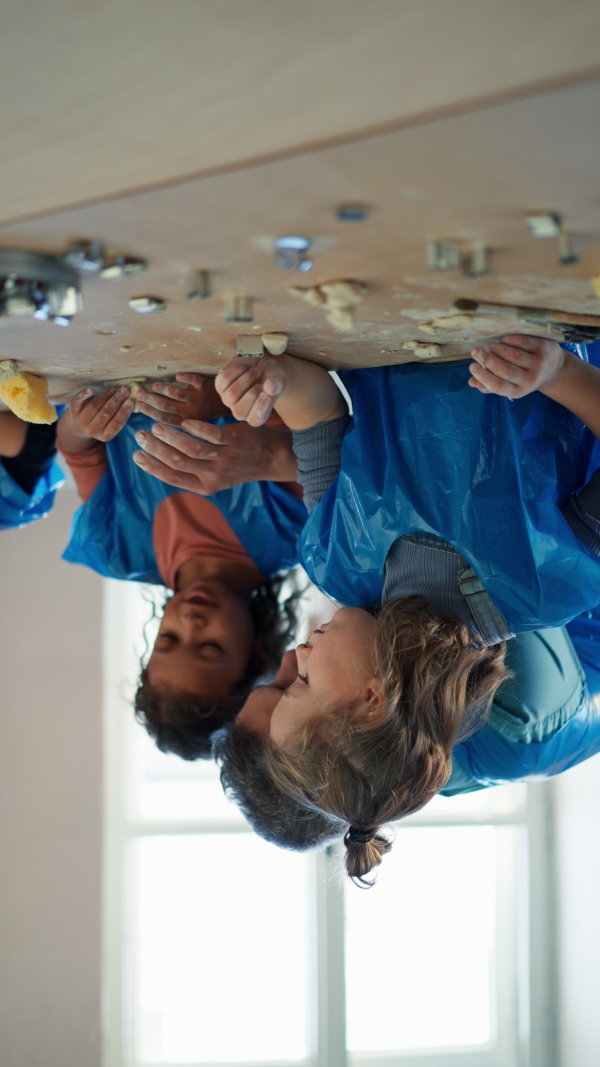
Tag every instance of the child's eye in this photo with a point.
(303, 678)
(211, 645)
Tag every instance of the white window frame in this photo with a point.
(526, 924)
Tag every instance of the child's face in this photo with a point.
(335, 668)
(204, 642)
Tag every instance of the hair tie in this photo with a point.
(360, 837)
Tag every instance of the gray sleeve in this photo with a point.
(582, 513)
(318, 451)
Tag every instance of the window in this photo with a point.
(223, 949)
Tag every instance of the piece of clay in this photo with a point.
(337, 299)
(343, 294)
(134, 385)
(342, 319)
(423, 351)
(26, 396)
(116, 382)
(595, 283)
(8, 369)
(312, 296)
(447, 322)
(275, 343)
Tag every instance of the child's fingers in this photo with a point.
(260, 410)
(233, 381)
(515, 357)
(498, 360)
(100, 409)
(88, 406)
(118, 419)
(477, 385)
(78, 402)
(492, 382)
(524, 341)
(263, 377)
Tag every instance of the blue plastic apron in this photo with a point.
(490, 758)
(18, 508)
(112, 531)
(428, 453)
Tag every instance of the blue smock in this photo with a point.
(112, 531)
(543, 721)
(427, 453)
(18, 508)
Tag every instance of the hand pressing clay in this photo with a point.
(25, 395)
(134, 385)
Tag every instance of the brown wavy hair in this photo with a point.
(438, 679)
(184, 724)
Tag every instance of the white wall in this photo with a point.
(577, 807)
(50, 800)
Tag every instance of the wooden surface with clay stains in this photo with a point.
(471, 178)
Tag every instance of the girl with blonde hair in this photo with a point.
(464, 518)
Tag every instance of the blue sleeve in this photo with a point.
(543, 721)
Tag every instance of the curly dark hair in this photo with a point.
(272, 814)
(184, 724)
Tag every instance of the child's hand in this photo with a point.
(517, 365)
(101, 416)
(216, 457)
(195, 398)
(250, 387)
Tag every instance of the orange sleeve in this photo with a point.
(87, 468)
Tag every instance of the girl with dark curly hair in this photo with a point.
(224, 555)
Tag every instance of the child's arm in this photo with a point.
(301, 392)
(93, 418)
(518, 365)
(13, 432)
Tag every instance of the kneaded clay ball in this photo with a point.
(25, 395)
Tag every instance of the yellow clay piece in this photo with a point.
(25, 395)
